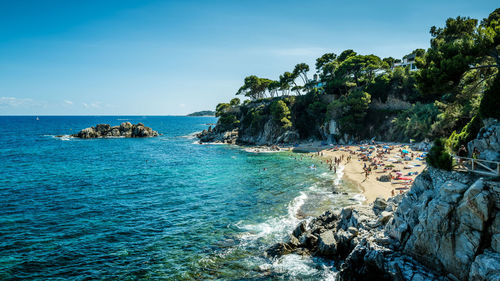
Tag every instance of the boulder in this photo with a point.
(327, 245)
(485, 267)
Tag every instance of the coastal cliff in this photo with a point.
(126, 129)
(446, 227)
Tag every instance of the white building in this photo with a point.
(408, 60)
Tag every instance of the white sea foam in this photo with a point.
(359, 197)
(190, 136)
(60, 137)
(259, 150)
(276, 229)
(294, 265)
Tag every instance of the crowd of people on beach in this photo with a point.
(380, 159)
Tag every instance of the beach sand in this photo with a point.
(369, 186)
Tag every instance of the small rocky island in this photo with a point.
(126, 129)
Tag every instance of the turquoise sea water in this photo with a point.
(157, 208)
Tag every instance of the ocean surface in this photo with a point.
(163, 208)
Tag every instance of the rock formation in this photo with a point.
(447, 227)
(126, 129)
(487, 141)
(218, 136)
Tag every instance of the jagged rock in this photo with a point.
(441, 230)
(299, 230)
(487, 141)
(379, 205)
(384, 217)
(125, 129)
(327, 246)
(278, 249)
(486, 267)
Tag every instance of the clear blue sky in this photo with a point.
(175, 57)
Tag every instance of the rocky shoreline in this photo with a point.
(446, 227)
(126, 129)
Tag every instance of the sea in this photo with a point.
(163, 208)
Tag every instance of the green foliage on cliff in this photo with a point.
(228, 117)
(468, 133)
(439, 157)
(309, 113)
(417, 121)
(281, 114)
(490, 104)
(350, 111)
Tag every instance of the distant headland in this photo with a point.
(203, 113)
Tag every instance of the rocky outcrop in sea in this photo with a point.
(126, 129)
(447, 227)
(218, 136)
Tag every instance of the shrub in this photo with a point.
(416, 122)
(468, 133)
(281, 114)
(228, 121)
(439, 157)
(490, 103)
(350, 111)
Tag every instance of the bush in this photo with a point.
(228, 121)
(490, 104)
(416, 122)
(468, 133)
(439, 157)
(281, 114)
(350, 111)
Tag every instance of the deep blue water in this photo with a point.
(155, 208)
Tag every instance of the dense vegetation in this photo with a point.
(445, 91)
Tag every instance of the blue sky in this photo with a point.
(128, 57)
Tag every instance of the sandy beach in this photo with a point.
(397, 162)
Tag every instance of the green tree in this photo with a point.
(281, 114)
(254, 87)
(301, 70)
(273, 88)
(323, 60)
(345, 55)
(235, 102)
(222, 108)
(349, 111)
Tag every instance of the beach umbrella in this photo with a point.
(386, 146)
(405, 151)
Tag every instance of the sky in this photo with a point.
(149, 57)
